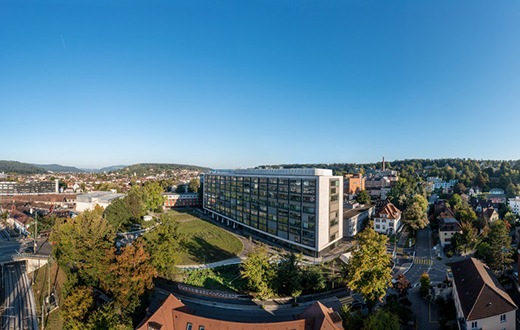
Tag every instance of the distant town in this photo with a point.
(404, 244)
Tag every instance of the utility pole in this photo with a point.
(35, 230)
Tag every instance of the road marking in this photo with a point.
(421, 261)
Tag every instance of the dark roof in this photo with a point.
(353, 212)
(479, 292)
(449, 224)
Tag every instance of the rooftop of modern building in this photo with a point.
(99, 195)
(277, 172)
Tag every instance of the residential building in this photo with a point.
(354, 183)
(497, 196)
(354, 220)
(174, 315)
(480, 300)
(89, 200)
(387, 219)
(514, 203)
(181, 200)
(29, 188)
(298, 208)
(448, 227)
(438, 183)
(489, 214)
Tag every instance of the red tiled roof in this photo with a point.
(173, 315)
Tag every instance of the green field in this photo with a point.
(205, 242)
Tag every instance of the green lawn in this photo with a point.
(205, 242)
(225, 278)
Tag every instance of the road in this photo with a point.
(423, 261)
(18, 299)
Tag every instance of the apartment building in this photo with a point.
(298, 208)
(8, 188)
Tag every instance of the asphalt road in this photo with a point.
(424, 261)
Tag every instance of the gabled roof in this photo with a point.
(449, 224)
(324, 318)
(387, 208)
(480, 294)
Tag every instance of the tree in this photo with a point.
(118, 213)
(363, 197)
(288, 276)
(467, 240)
(76, 307)
(483, 252)
(415, 214)
(163, 245)
(193, 186)
(425, 284)
(312, 279)
(152, 196)
(381, 320)
(368, 270)
(259, 273)
(499, 243)
(108, 317)
(82, 243)
(129, 275)
(456, 202)
(402, 285)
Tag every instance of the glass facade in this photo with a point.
(283, 207)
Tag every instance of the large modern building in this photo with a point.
(28, 188)
(88, 201)
(298, 208)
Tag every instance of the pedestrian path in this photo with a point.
(421, 261)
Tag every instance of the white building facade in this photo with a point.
(89, 200)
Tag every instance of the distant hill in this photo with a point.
(145, 168)
(110, 168)
(9, 166)
(58, 168)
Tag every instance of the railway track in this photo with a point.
(19, 308)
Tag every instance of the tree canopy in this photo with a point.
(368, 270)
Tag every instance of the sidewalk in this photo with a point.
(230, 261)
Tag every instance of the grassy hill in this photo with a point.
(59, 168)
(9, 166)
(147, 168)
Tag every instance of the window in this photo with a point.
(474, 325)
(189, 326)
(201, 327)
(502, 318)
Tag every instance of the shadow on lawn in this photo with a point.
(204, 252)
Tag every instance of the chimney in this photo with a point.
(383, 163)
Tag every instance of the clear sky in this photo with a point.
(230, 84)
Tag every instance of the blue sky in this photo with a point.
(243, 83)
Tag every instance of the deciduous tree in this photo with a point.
(129, 275)
(499, 243)
(368, 270)
(260, 274)
(163, 245)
